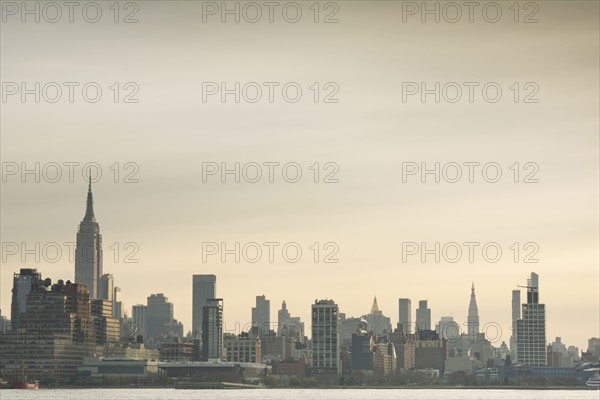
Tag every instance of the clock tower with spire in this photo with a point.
(473, 316)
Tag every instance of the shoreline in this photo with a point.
(580, 388)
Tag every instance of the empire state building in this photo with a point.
(88, 252)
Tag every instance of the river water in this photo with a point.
(299, 394)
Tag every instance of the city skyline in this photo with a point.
(204, 291)
(66, 312)
(470, 327)
(208, 282)
(301, 195)
(152, 193)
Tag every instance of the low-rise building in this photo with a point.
(107, 329)
(94, 367)
(430, 352)
(41, 357)
(459, 364)
(211, 371)
(135, 350)
(404, 346)
(177, 351)
(244, 347)
(290, 368)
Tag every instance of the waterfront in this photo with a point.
(298, 394)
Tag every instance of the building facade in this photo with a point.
(23, 282)
(447, 328)
(212, 330)
(404, 346)
(423, 320)
(117, 303)
(106, 287)
(350, 326)
(531, 328)
(404, 315)
(63, 310)
(94, 367)
(376, 321)
(88, 250)
(45, 358)
(288, 326)
(261, 315)
(204, 287)
(290, 367)
(325, 338)
(107, 329)
(431, 353)
(516, 315)
(242, 348)
(159, 313)
(177, 351)
(139, 314)
(362, 351)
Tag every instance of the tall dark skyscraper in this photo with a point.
(88, 252)
(325, 337)
(139, 314)
(531, 327)
(212, 330)
(423, 316)
(283, 317)
(159, 313)
(404, 315)
(261, 315)
(64, 310)
(23, 282)
(203, 288)
(516, 315)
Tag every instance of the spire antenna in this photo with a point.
(89, 210)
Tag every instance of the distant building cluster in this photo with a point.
(78, 331)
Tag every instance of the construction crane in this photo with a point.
(528, 287)
(532, 295)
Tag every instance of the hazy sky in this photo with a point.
(368, 55)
